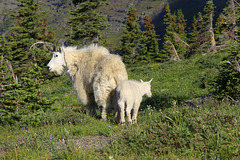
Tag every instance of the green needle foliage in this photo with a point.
(21, 68)
(150, 46)
(202, 35)
(86, 24)
(175, 39)
(29, 28)
(195, 35)
(227, 23)
(131, 38)
(21, 100)
(207, 27)
(227, 83)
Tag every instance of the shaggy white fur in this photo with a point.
(130, 92)
(95, 74)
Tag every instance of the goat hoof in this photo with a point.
(122, 123)
(130, 122)
(134, 121)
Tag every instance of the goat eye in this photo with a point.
(56, 55)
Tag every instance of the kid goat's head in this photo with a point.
(147, 87)
(57, 62)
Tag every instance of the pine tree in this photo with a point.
(131, 38)
(21, 72)
(175, 39)
(226, 85)
(181, 22)
(21, 101)
(181, 40)
(30, 27)
(8, 93)
(227, 82)
(226, 23)
(86, 24)
(202, 35)
(150, 41)
(195, 36)
(170, 22)
(207, 29)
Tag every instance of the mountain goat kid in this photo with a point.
(130, 92)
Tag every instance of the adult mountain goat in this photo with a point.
(130, 92)
(94, 72)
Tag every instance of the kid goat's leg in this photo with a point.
(128, 111)
(135, 112)
(121, 110)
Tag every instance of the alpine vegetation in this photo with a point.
(130, 92)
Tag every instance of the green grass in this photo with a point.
(178, 81)
(167, 127)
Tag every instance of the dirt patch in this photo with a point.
(88, 142)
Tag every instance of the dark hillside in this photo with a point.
(189, 8)
(116, 13)
(58, 10)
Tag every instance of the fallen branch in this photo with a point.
(179, 39)
(236, 66)
(236, 3)
(9, 66)
(174, 50)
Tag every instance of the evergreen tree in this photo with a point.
(30, 27)
(131, 38)
(207, 26)
(227, 82)
(202, 35)
(150, 41)
(21, 72)
(175, 39)
(170, 22)
(86, 24)
(195, 36)
(181, 22)
(21, 101)
(226, 23)
(181, 40)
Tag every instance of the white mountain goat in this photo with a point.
(94, 72)
(130, 92)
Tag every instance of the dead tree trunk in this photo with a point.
(212, 38)
(175, 56)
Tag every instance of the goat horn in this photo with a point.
(45, 43)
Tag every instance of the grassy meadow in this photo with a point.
(182, 120)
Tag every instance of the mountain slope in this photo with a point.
(58, 13)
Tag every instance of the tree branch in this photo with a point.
(236, 66)
(236, 3)
(9, 65)
(178, 38)
(174, 50)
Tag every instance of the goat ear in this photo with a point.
(141, 80)
(150, 80)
